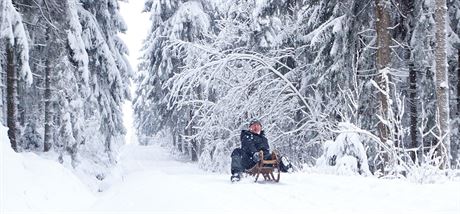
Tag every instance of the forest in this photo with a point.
(309, 70)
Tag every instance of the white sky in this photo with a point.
(138, 25)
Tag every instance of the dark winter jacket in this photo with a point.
(252, 143)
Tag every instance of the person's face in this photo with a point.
(255, 128)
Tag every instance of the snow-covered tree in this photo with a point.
(108, 78)
(82, 77)
(442, 83)
(171, 21)
(14, 44)
(453, 50)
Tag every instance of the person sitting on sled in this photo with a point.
(246, 157)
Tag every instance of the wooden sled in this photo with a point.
(266, 168)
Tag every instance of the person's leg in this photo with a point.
(237, 164)
(268, 156)
(248, 163)
(237, 161)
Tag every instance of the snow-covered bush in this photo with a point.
(429, 172)
(216, 158)
(425, 174)
(345, 155)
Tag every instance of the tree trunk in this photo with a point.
(193, 144)
(174, 138)
(108, 147)
(458, 83)
(413, 109)
(407, 26)
(47, 97)
(180, 141)
(442, 83)
(383, 61)
(456, 149)
(11, 96)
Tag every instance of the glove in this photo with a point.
(255, 157)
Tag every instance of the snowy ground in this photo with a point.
(148, 180)
(152, 182)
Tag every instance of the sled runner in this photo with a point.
(266, 168)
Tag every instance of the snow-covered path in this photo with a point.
(150, 181)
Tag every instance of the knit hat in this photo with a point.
(254, 121)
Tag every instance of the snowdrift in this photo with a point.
(31, 183)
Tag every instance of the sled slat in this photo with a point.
(266, 168)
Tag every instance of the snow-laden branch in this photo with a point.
(12, 29)
(225, 59)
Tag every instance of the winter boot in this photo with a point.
(235, 177)
(285, 164)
